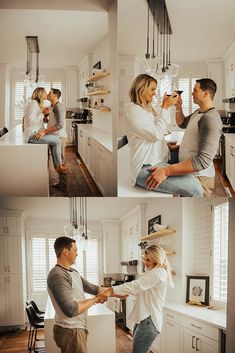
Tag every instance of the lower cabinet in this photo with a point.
(230, 159)
(98, 161)
(182, 334)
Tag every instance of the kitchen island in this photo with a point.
(101, 327)
(24, 166)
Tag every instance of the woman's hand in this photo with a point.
(168, 101)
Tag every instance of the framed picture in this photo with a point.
(152, 222)
(198, 289)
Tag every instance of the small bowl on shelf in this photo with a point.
(158, 227)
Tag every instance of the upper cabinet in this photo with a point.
(111, 246)
(71, 77)
(229, 65)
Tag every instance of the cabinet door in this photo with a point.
(69, 131)
(13, 252)
(100, 169)
(232, 165)
(206, 345)
(80, 142)
(89, 153)
(187, 341)
(112, 246)
(3, 265)
(2, 225)
(3, 301)
(172, 330)
(12, 224)
(15, 306)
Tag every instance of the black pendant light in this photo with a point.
(147, 55)
(32, 48)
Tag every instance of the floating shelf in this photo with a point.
(98, 93)
(98, 76)
(98, 110)
(168, 253)
(159, 233)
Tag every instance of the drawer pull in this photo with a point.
(193, 345)
(197, 348)
(172, 316)
(196, 326)
(170, 323)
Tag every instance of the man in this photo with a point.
(66, 289)
(200, 141)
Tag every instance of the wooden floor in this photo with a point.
(17, 342)
(224, 180)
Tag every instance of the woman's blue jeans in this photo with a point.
(143, 335)
(53, 141)
(184, 185)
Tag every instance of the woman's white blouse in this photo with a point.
(150, 292)
(145, 135)
(33, 119)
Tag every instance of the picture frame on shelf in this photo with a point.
(152, 222)
(197, 290)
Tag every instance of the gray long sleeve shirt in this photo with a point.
(201, 140)
(66, 287)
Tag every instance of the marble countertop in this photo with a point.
(215, 318)
(13, 137)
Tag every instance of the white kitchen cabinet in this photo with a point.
(80, 142)
(229, 64)
(90, 157)
(230, 159)
(71, 77)
(111, 247)
(12, 270)
(128, 68)
(170, 328)
(69, 132)
(192, 342)
(9, 225)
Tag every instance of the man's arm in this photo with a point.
(209, 134)
(59, 113)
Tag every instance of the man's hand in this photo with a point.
(39, 134)
(157, 176)
(101, 298)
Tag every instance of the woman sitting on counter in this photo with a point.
(145, 133)
(150, 292)
(34, 131)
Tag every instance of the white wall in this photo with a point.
(5, 84)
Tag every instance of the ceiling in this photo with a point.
(64, 36)
(98, 208)
(201, 29)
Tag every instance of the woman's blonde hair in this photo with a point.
(140, 83)
(158, 256)
(37, 95)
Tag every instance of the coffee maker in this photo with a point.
(231, 118)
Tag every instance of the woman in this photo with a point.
(145, 133)
(150, 292)
(35, 131)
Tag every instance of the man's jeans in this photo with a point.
(143, 335)
(53, 141)
(184, 185)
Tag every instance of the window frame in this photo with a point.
(217, 303)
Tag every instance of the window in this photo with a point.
(186, 84)
(22, 94)
(87, 262)
(43, 258)
(220, 252)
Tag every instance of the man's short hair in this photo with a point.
(62, 243)
(206, 84)
(57, 92)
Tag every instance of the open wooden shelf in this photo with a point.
(97, 110)
(159, 233)
(98, 93)
(98, 76)
(170, 252)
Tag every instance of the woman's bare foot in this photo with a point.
(61, 169)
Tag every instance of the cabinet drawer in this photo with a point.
(201, 327)
(172, 316)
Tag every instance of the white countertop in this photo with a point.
(174, 136)
(103, 137)
(13, 136)
(230, 136)
(215, 318)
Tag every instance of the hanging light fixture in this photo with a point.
(76, 230)
(32, 48)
